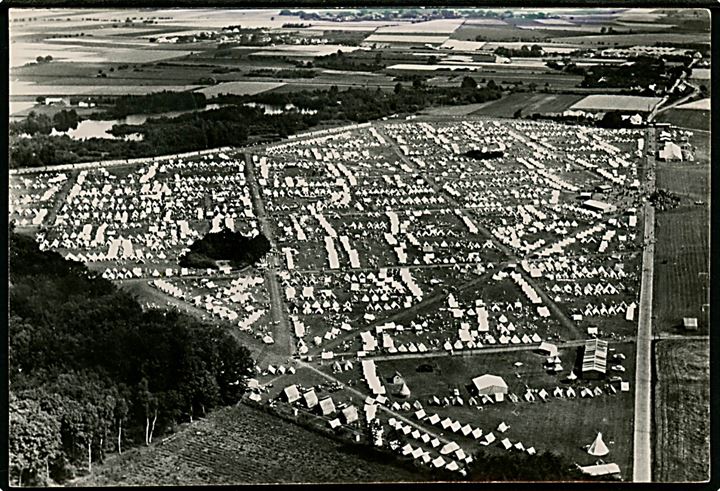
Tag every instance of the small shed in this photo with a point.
(690, 323)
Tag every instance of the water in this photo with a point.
(99, 128)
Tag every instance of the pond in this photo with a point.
(99, 128)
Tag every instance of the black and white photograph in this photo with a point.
(358, 245)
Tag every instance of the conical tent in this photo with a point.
(598, 447)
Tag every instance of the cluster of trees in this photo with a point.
(38, 123)
(643, 72)
(90, 372)
(525, 51)
(341, 61)
(567, 67)
(234, 125)
(662, 199)
(156, 102)
(281, 73)
(225, 245)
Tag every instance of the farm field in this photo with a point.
(562, 425)
(239, 88)
(686, 118)
(244, 445)
(632, 39)
(28, 89)
(682, 410)
(529, 103)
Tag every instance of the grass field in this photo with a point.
(529, 103)
(682, 258)
(686, 118)
(244, 445)
(682, 411)
(560, 425)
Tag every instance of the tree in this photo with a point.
(492, 85)
(33, 439)
(398, 88)
(517, 114)
(468, 83)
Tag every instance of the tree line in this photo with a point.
(90, 372)
(156, 102)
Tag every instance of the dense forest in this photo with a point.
(90, 372)
(236, 125)
(225, 245)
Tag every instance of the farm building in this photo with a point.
(490, 384)
(600, 206)
(690, 323)
(594, 358)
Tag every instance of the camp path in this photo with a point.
(642, 449)
(281, 327)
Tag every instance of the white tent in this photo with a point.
(490, 384)
(598, 447)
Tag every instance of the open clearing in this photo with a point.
(682, 411)
(529, 103)
(244, 445)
